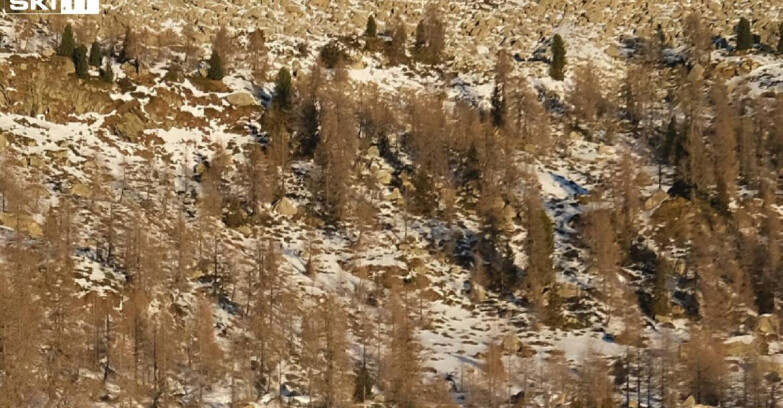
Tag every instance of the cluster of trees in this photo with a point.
(722, 148)
(746, 40)
(143, 47)
(324, 120)
(664, 376)
(151, 329)
(78, 53)
(429, 38)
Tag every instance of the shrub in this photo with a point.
(331, 54)
(215, 71)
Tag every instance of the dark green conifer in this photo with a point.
(283, 90)
(67, 43)
(80, 61)
(780, 39)
(659, 305)
(557, 69)
(107, 73)
(372, 27)
(215, 71)
(96, 54)
(744, 36)
(498, 107)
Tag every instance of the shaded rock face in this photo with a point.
(129, 121)
(49, 88)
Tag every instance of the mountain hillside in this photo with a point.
(392, 204)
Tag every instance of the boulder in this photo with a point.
(241, 99)
(286, 207)
(47, 52)
(128, 68)
(199, 169)
(245, 230)
(35, 161)
(81, 190)
(394, 196)
(655, 199)
(383, 177)
(568, 290)
(697, 72)
(64, 65)
(740, 347)
(510, 343)
(613, 51)
(358, 65)
(678, 310)
(24, 222)
(768, 325)
(129, 125)
(478, 294)
(509, 214)
(497, 203)
(665, 320)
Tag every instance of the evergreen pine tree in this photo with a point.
(557, 69)
(539, 246)
(107, 73)
(659, 302)
(67, 43)
(362, 383)
(396, 48)
(471, 168)
(670, 150)
(130, 46)
(780, 39)
(372, 27)
(744, 36)
(96, 54)
(80, 61)
(430, 37)
(331, 54)
(215, 71)
(498, 107)
(553, 314)
(424, 191)
(283, 90)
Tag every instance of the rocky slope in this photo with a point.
(154, 132)
(477, 29)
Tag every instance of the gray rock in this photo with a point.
(383, 177)
(286, 207)
(241, 99)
